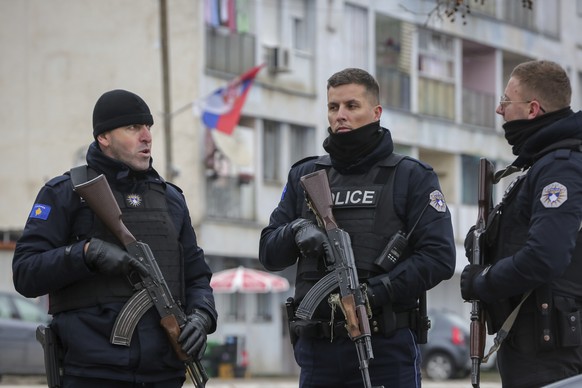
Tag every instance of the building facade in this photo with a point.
(440, 81)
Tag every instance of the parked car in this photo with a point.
(20, 353)
(446, 353)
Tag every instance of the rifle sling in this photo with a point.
(502, 333)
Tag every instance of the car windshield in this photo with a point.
(5, 310)
(18, 307)
(30, 312)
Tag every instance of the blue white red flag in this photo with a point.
(221, 110)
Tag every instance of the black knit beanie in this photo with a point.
(118, 108)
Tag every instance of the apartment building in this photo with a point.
(440, 83)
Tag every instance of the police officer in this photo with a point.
(66, 252)
(376, 194)
(533, 240)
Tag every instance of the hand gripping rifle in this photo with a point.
(340, 258)
(152, 290)
(477, 331)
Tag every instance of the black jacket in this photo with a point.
(40, 266)
(432, 257)
(546, 224)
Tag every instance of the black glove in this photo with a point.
(469, 240)
(193, 335)
(468, 276)
(379, 290)
(108, 258)
(310, 238)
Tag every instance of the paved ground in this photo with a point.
(27, 382)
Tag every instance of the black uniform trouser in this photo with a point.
(522, 364)
(87, 382)
(326, 364)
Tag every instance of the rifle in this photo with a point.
(340, 257)
(477, 331)
(152, 289)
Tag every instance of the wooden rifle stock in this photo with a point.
(99, 197)
(477, 329)
(319, 198)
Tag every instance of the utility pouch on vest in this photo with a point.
(568, 322)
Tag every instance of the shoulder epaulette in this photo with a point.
(304, 160)
(175, 186)
(56, 180)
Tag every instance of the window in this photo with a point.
(5, 307)
(230, 39)
(271, 150)
(236, 307)
(470, 171)
(484, 7)
(547, 17)
(264, 307)
(356, 33)
(393, 61)
(302, 143)
(29, 311)
(301, 23)
(479, 97)
(436, 93)
(283, 145)
(230, 173)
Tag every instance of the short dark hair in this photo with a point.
(545, 81)
(354, 75)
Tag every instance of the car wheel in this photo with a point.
(439, 366)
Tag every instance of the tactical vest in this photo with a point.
(146, 216)
(363, 206)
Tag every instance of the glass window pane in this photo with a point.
(271, 150)
(355, 32)
(470, 171)
(302, 142)
(393, 59)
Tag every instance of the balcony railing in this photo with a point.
(229, 52)
(230, 198)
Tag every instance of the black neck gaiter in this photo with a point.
(517, 132)
(350, 147)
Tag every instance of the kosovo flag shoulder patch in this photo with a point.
(40, 211)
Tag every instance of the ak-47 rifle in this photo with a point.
(478, 317)
(340, 258)
(152, 290)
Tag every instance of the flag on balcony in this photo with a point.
(221, 109)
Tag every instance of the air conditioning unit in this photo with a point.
(278, 59)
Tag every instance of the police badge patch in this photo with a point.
(437, 200)
(133, 200)
(554, 195)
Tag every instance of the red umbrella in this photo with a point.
(246, 280)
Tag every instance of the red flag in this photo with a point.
(221, 109)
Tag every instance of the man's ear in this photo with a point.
(377, 112)
(103, 139)
(535, 109)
